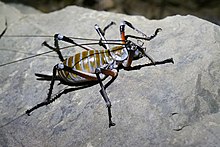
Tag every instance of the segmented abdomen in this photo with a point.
(86, 61)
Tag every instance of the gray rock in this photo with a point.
(163, 105)
(25, 9)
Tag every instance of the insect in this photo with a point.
(93, 66)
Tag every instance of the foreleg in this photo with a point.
(138, 67)
(143, 51)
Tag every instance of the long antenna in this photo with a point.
(4, 64)
(36, 55)
(49, 36)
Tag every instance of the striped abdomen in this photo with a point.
(87, 62)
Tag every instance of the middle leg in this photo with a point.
(103, 90)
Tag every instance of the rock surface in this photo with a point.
(164, 105)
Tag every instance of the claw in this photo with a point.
(171, 60)
(111, 124)
(28, 112)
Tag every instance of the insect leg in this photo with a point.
(103, 92)
(63, 67)
(55, 68)
(110, 82)
(48, 100)
(127, 63)
(101, 33)
(124, 37)
(146, 55)
(56, 49)
(122, 32)
(108, 26)
(138, 67)
(148, 38)
(58, 37)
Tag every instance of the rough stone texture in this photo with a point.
(164, 105)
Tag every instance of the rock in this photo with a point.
(164, 105)
(25, 9)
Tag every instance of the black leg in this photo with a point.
(52, 82)
(53, 78)
(101, 33)
(58, 37)
(48, 100)
(109, 25)
(104, 95)
(122, 30)
(146, 55)
(138, 67)
(148, 38)
(56, 49)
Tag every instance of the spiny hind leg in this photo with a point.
(48, 100)
(64, 68)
